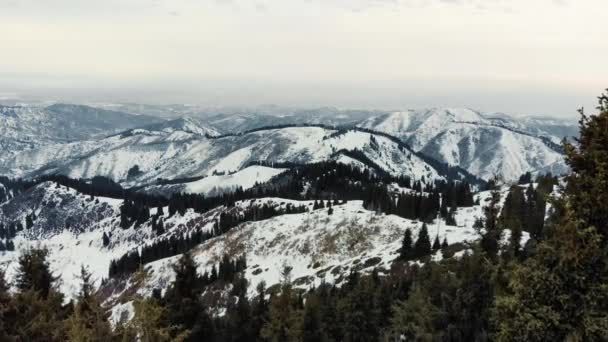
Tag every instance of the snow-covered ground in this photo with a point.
(484, 145)
(180, 154)
(317, 246)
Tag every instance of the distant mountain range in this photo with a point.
(83, 141)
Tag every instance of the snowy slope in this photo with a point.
(184, 124)
(484, 146)
(217, 184)
(25, 128)
(180, 154)
(318, 246)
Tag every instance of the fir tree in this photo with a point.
(406, 252)
(560, 293)
(492, 233)
(284, 320)
(436, 243)
(89, 322)
(422, 247)
(34, 272)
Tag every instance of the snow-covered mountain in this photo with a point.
(29, 127)
(154, 153)
(184, 124)
(218, 184)
(484, 145)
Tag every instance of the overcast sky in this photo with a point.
(518, 56)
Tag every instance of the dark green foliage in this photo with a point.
(422, 247)
(34, 273)
(561, 292)
(444, 244)
(407, 252)
(436, 243)
(490, 237)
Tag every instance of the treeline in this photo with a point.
(10, 187)
(328, 180)
(443, 199)
(96, 186)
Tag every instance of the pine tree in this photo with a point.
(259, 309)
(312, 327)
(560, 293)
(413, 319)
(359, 313)
(34, 272)
(492, 233)
(37, 303)
(422, 247)
(183, 306)
(445, 244)
(436, 243)
(284, 320)
(147, 323)
(406, 252)
(88, 322)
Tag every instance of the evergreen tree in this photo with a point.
(413, 318)
(88, 322)
(436, 243)
(560, 293)
(359, 313)
(284, 319)
(492, 233)
(36, 312)
(259, 309)
(34, 272)
(183, 306)
(406, 252)
(422, 247)
(148, 323)
(312, 327)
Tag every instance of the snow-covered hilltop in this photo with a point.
(484, 145)
(75, 140)
(29, 127)
(161, 153)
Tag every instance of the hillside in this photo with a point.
(175, 154)
(483, 145)
(317, 245)
(27, 128)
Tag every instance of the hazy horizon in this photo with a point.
(541, 58)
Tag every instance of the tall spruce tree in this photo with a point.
(422, 247)
(284, 319)
(490, 236)
(89, 321)
(436, 243)
(34, 272)
(406, 252)
(561, 293)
